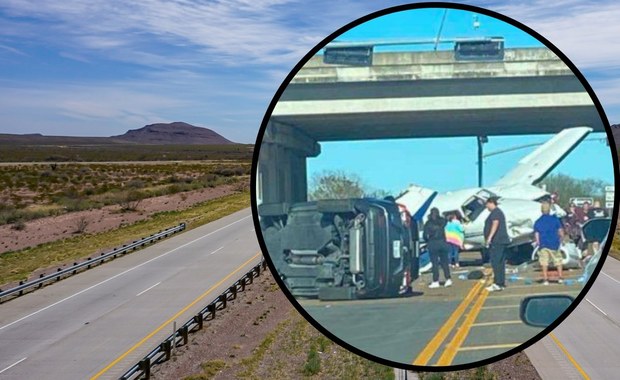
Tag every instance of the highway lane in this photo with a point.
(587, 344)
(100, 322)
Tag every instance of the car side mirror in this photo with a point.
(542, 310)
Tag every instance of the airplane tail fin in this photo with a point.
(534, 167)
(417, 199)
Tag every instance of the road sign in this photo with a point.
(610, 196)
(355, 56)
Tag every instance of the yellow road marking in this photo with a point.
(433, 345)
(497, 323)
(450, 352)
(569, 356)
(150, 335)
(489, 347)
(495, 296)
(500, 307)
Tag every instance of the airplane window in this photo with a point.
(473, 207)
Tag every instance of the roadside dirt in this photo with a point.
(260, 335)
(52, 228)
(234, 333)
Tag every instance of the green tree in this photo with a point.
(568, 187)
(337, 184)
(331, 184)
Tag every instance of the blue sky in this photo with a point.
(98, 68)
(446, 164)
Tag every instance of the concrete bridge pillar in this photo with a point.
(282, 175)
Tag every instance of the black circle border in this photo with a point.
(265, 121)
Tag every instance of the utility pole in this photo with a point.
(481, 140)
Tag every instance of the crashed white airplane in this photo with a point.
(519, 197)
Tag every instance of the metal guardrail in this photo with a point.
(163, 352)
(90, 262)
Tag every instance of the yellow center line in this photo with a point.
(170, 320)
(497, 323)
(569, 356)
(458, 339)
(500, 307)
(427, 353)
(489, 347)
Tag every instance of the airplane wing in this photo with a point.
(535, 166)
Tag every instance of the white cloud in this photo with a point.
(586, 31)
(235, 32)
(190, 47)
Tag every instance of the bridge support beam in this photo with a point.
(282, 174)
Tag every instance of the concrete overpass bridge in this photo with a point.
(413, 95)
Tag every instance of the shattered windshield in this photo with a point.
(476, 204)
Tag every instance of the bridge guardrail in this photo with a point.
(163, 352)
(90, 262)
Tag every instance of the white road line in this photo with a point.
(216, 250)
(13, 365)
(120, 274)
(610, 277)
(146, 290)
(597, 308)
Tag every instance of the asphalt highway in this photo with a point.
(587, 344)
(100, 322)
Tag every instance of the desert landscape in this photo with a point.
(55, 190)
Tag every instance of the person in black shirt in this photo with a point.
(597, 211)
(496, 240)
(435, 237)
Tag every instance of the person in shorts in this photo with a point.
(549, 234)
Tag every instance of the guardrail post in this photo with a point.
(211, 308)
(166, 346)
(250, 277)
(21, 292)
(223, 300)
(198, 318)
(145, 367)
(184, 334)
(264, 264)
(242, 283)
(41, 276)
(233, 292)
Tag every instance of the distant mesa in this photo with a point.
(173, 133)
(177, 133)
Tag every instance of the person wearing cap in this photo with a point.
(496, 240)
(549, 234)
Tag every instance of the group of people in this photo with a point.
(577, 216)
(435, 235)
(445, 239)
